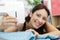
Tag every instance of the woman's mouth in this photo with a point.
(36, 23)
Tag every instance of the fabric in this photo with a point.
(16, 36)
(25, 36)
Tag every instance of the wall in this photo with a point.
(12, 7)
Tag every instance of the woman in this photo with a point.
(36, 22)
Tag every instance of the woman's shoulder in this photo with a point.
(20, 26)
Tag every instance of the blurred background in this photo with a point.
(21, 8)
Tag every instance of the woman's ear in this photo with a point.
(30, 14)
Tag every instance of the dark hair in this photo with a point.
(38, 7)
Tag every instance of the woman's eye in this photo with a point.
(38, 15)
(44, 19)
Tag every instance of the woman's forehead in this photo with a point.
(42, 12)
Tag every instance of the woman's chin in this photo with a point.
(36, 27)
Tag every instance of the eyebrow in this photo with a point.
(38, 14)
(41, 15)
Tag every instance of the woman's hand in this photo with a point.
(33, 31)
(9, 23)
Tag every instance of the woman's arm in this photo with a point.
(51, 29)
(57, 33)
(11, 29)
(20, 26)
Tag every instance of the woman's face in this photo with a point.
(38, 18)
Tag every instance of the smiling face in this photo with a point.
(38, 18)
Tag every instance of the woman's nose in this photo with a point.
(40, 20)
